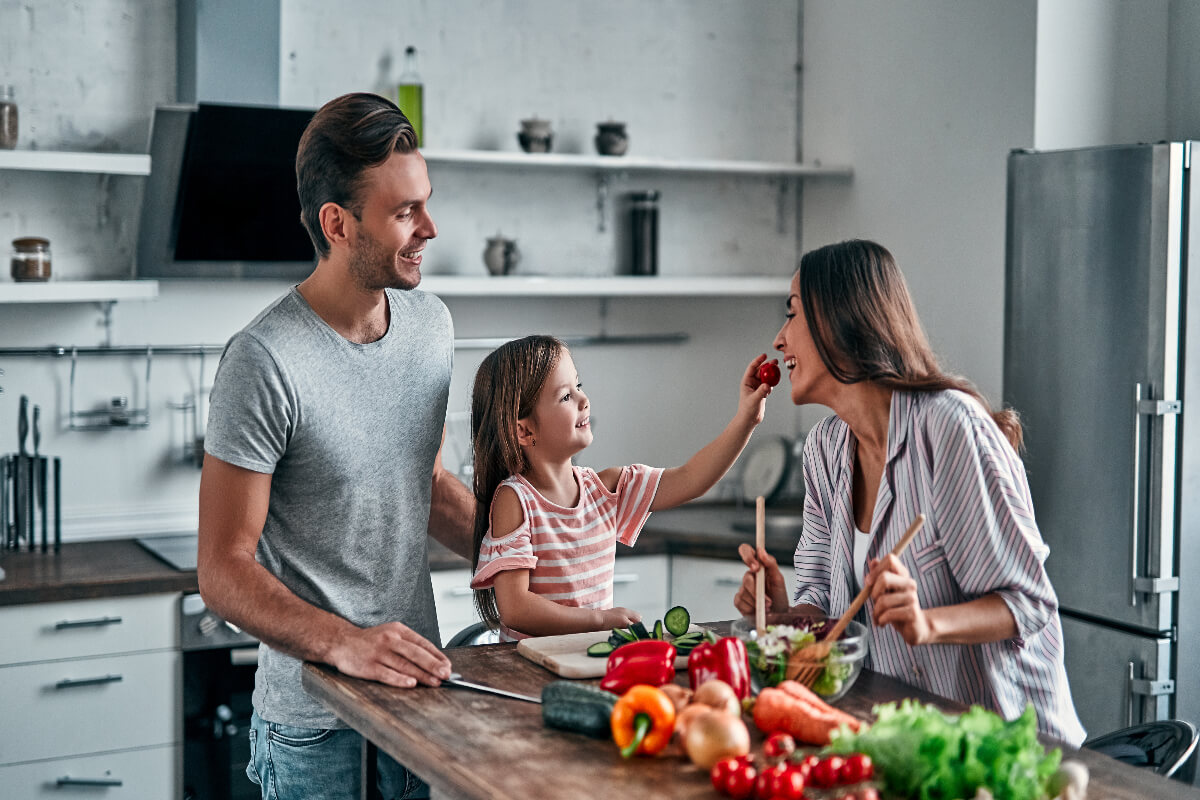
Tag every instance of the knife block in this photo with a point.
(30, 497)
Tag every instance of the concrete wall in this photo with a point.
(925, 98)
(691, 79)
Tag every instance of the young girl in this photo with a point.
(544, 555)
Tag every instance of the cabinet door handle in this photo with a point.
(69, 683)
(462, 591)
(67, 780)
(86, 623)
(625, 577)
(728, 581)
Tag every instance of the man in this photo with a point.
(323, 476)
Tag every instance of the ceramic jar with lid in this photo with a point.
(31, 259)
(535, 135)
(611, 139)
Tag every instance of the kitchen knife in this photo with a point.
(22, 475)
(57, 504)
(39, 463)
(5, 530)
(456, 681)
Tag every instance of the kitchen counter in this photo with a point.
(86, 570)
(473, 745)
(118, 567)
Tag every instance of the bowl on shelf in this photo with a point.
(786, 633)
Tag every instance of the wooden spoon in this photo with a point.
(807, 658)
(760, 577)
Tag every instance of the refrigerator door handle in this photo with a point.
(1140, 687)
(1140, 584)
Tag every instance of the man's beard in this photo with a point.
(373, 266)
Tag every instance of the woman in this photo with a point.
(967, 612)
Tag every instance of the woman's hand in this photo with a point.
(895, 594)
(775, 588)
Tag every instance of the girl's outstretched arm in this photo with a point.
(702, 471)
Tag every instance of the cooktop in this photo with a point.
(178, 551)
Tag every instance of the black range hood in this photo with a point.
(221, 200)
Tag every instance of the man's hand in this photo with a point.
(391, 653)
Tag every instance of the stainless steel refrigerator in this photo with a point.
(1102, 361)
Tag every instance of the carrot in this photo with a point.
(777, 710)
(811, 698)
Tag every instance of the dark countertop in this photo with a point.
(117, 567)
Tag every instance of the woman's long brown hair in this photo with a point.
(506, 388)
(865, 327)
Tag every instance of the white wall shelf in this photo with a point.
(59, 161)
(77, 291)
(618, 286)
(501, 158)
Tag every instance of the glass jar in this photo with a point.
(31, 259)
(8, 118)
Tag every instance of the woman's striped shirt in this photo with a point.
(946, 459)
(570, 552)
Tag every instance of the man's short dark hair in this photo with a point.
(346, 136)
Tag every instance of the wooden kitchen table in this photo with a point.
(473, 745)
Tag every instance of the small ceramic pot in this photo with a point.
(535, 135)
(501, 255)
(611, 139)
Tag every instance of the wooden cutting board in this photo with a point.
(566, 655)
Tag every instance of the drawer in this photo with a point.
(48, 631)
(455, 600)
(88, 705)
(152, 772)
(640, 583)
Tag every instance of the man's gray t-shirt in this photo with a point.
(349, 433)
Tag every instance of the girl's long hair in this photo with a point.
(865, 327)
(506, 388)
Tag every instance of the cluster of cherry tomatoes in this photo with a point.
(785, 775)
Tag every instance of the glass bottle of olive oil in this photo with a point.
(411, 94)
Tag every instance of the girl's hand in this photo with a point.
(775, 588)
(752, 399)
(895, 594)
(618, 618)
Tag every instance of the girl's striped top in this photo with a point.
(947, 459)
(570, 552)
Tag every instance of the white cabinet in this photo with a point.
(706, 586)
(455, 601)
(91, 697)
(641, 583)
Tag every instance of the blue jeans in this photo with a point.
(290, 763)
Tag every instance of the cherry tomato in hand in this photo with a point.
(779, 745)
(857, 768)
(768, 373)
(827, 772)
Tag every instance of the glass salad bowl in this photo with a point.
(787, 633)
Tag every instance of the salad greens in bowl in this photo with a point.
(787, 633)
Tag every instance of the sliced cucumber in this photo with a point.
(600, 649)
(639, 630)
(624, 634)
(678, 620)
(658, 629)
(616, 640)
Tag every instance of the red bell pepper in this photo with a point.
(725, 659)
(650, 661)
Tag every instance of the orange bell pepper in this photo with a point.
(643, 720)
